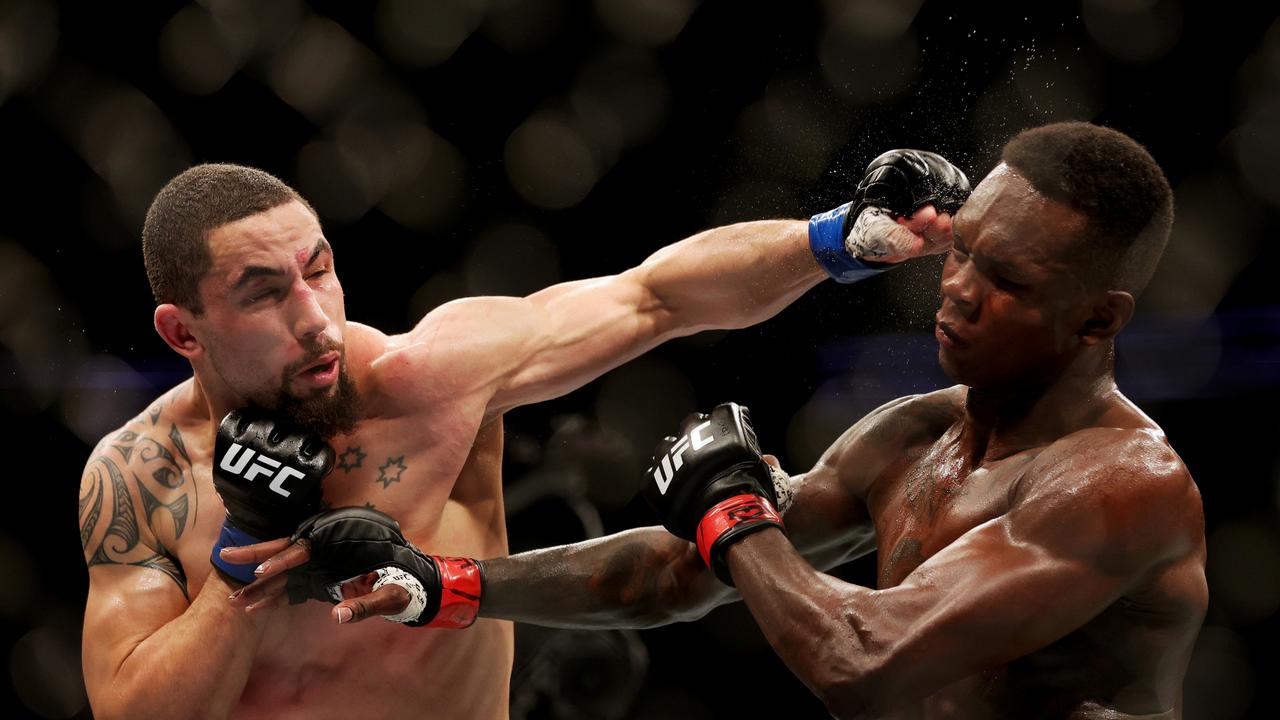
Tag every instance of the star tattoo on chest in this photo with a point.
(391, 471)
(351, 458)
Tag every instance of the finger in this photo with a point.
(287, 559)
(246, 554)
(772, 461)
(938, 232)
(356, 587)
(386, 600)
(920, 219)
(258, 591)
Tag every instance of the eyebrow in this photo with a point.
(254, 272)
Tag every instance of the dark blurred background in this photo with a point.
(462, 147)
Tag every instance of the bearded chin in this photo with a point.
(325, 414)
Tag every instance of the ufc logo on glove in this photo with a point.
(672, 461)
(238, 458)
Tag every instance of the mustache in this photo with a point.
(317, 349)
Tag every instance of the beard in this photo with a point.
(326, 414)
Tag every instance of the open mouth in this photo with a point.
(324, 371)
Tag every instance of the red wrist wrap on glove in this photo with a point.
(461, 583)
(729, 520)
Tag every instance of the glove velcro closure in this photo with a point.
(461, 586)
(727, 522)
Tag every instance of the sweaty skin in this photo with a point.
(161, 639)
(1040, 546)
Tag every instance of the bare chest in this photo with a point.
(407, 472)
(924, 505)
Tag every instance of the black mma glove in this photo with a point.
(347, 543)
(268, 474)
(710, 485)
(851, 241)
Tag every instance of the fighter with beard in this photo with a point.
(247, 292)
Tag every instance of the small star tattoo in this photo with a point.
(385, 474)
(351, 458)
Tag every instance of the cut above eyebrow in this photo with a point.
(254, 272)
(322, 245)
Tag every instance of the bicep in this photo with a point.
(1018, 582)
(991, 596)
(554, 341)
(126, 605)
(134, 588)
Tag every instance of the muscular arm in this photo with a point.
(148, 651)
(648, 577)
(529, 349)
(1077, 539)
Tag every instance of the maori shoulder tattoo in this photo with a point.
(138, 497)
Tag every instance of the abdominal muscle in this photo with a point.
(309, 667)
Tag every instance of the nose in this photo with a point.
(960, 285)
(310, 319)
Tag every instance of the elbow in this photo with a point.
(854, 685)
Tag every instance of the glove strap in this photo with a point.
(232, 536)
(461, 585)
(727, 522)
(826, 241)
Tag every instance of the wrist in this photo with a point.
(457, 602)
(827, 243)
(232, 536)
(729, 521)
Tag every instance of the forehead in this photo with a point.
(270, 238)
(1005, 213)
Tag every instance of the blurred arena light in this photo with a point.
(16, 592)
(522, 27)
(103, 393)
(648, 22)
(318, 67)
(1137, 31)
(868, 51)
(642, 400)
(619, 98)
(28, 41)
(44, 667)
(439, 289)
(511, 259)
(1244, 571)
(549, 162)
(423, 34)
(252, 28)
(1213, 239)
(1220, 680)
(196, 56)
(1060, 80)
(789, 132)
(130, 143)
(753, 199)
(38, 328)
(1255, 142)
(430, 180)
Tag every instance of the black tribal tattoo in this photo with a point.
(160, 474)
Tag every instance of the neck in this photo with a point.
(1000, 421)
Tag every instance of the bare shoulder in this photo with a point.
(1120, 488)
(892, 432)
(137, 493)
(455, 349)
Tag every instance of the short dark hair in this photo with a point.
(1114, 182)
(175, 245)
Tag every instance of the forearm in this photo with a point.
(818, 625)
(639, 578)
(733, 276)
(196, 665)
